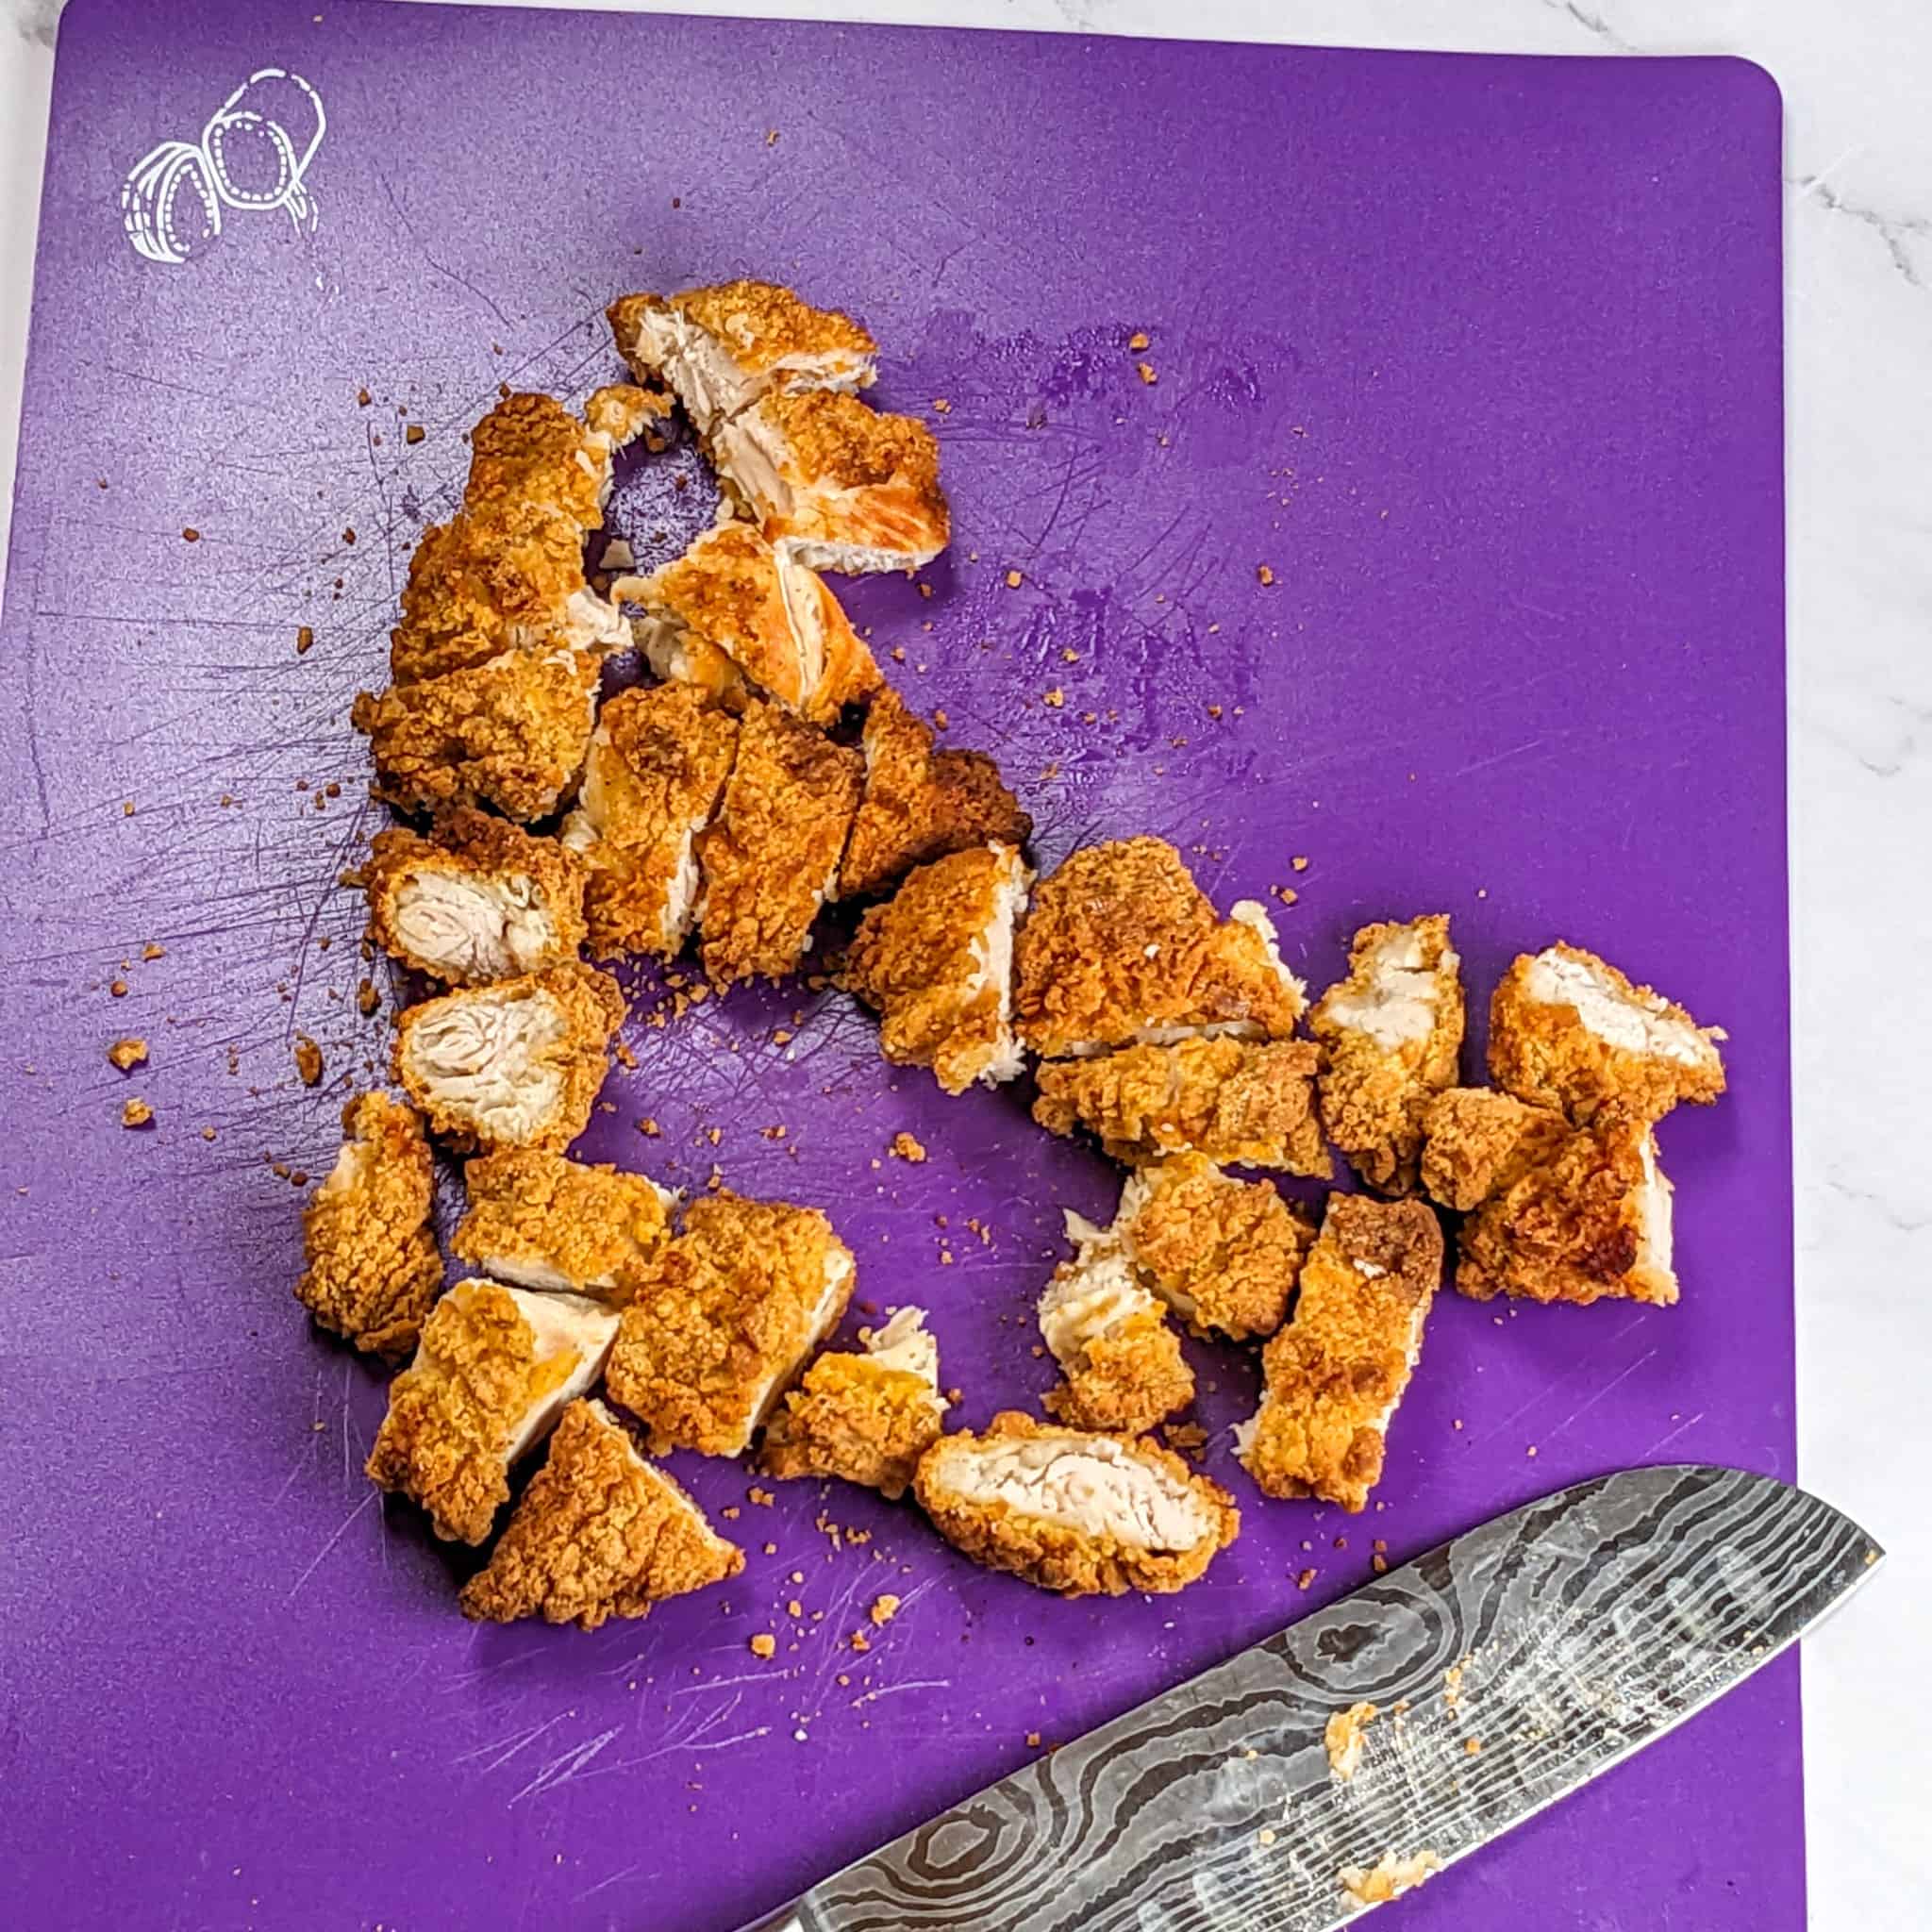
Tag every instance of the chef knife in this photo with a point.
(1507, 1668)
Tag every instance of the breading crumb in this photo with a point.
(1147, 373)
(1137, 341)
(136, 1113)
(885, 1607)
(1264, 574)
(764, 1644)
(308, 1060)
(128, 1053)
(1015, 580)
(906, 1147)
(1056, 698)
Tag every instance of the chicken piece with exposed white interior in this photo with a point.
(1121, 1359)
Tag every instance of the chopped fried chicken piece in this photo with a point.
(768, 860)
(736, 618)
(865, 1418)
(1568, 1031)
(920, 803)
(1083, 1514)
(516, 1063)
(1232, 1100)
(936, 961)
(1335, 1373)
(1593, 1220)
(720, 348)
(541, 1220)
(372, 1265)
(1392, 1030)
(1476, 1142)
(510, 733)
(480, 900)
(1123, 1363)
(723, 1319)
(599, 1533)
(1123, 949)
(652, 783)
(493, 1373)
(1391, 1876)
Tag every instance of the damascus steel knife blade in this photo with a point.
(1560, 1639)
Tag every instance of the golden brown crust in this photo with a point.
(1476, 1142)
(1541, 1052)
(853, 1419)
(598, 1533)
(919, 804)
(762, 326)
(769, 859)
(1232, 1100)
(728, 1309)
(509, 733)
(1122, 945)
(921, 961)
(1225, 1254)
(1340, 1366)
(532, 1215)
(1373, 1091)
(1572, 1229)
(657, 773)
(573, 1011)
(452, 1414)
(1127, 1379)
(1069, 1560)
(374, 1268)
(538, 877)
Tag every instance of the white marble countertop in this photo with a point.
(1858, 162)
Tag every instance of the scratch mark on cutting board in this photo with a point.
(326, 1547)
(562, 1768)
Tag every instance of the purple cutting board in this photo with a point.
(1480, 356)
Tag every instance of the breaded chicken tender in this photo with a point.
(936, 960)
(1232, 1100)
(920, 803)
(1392, 1030)
(599, 1533)
(722, 347)
(1476, 1142)
(1123, 949)
(1084, 1514)
(1224, 1255)
(1335, 1373)
(768, 860)
(737, 619)
(652, 781)
(1593, 1220)
(516, 1063)
(725, 1317)
(1568, 1031)
(479, 900)
(510, 732)
(1123, 1363)
(492, 1374)
(541, 1220)
(374, 1268)
(865, 1418)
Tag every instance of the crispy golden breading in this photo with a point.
(1476, 1142)
(493, 1369)
(936, 961)
(599, 1533)
(1224, 1253)
(1127, 1379)
(1392, 1030)
(516, 1063)
(479, 900)
(510, 733)
(652, 783)
(506, 571)
(737, 619)
(1568, 1031)
(1335, 1373)
(1124, 948)
(1080, 1513)
(725, 1317)
(769, 859)
(1233, 1100)
(865, 1418)
(542, 1220)
(920, 803)
(1592, 1221)
(374, 1268)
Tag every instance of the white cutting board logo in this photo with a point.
(253, 157)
